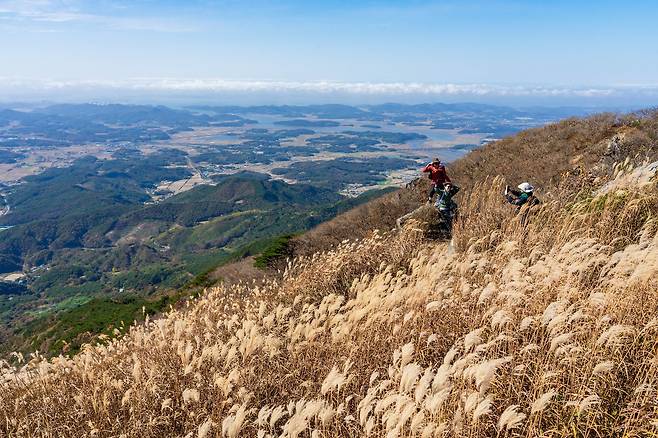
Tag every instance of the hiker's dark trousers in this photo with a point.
(433, 191)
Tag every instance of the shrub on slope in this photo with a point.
(547, 328)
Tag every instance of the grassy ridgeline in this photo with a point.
(541, 155)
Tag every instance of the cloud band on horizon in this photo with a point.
(324, 86)
(191, 88)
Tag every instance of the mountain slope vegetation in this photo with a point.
(539, 324)
(109, 245)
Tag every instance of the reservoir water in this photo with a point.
(445, 143)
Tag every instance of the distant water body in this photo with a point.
(434, 136)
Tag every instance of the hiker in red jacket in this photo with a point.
(438, 175)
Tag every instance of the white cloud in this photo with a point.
(326, 87)
(56, 12)
(40, 10)
(265, 91)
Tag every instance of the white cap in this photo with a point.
(526, 187)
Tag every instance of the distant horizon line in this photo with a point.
(190, 105)
(273, 91)
(200, 105)
(329, 85)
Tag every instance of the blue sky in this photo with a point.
(560, 51)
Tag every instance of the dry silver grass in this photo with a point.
(425, 342)
(542, 401)
(511, 418)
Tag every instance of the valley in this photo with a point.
(132, 204)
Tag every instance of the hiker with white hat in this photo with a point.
(523, 196)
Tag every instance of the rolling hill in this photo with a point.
(109, 245)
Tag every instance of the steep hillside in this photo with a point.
(541, 155)
(540, 327)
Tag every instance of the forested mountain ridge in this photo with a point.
(110, 243)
